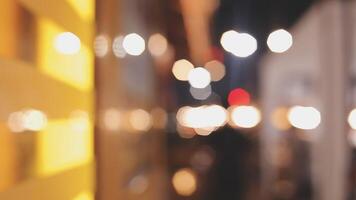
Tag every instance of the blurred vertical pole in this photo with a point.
(330, 152)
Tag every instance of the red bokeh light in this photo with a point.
(238, 97)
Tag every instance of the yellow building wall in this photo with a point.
(56, 162)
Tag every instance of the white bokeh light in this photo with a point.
(306, 118)
(245, 116)
(279, 41)
(199, 77)
(134, 44)
(240, 44)
(351, 119)
(67, 43)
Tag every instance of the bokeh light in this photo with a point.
(118, 48)
(204, 131)
(79, 121)
(112, 119)
(199, 77)
(279, 119)
(351, 119)
(134, 44)
(239, 44)
(227, 40)
(185, 182)
(245, 116)
(216, 70)
(181, 69)
(67, 43)
(203, 117)
(279, 41)
(101, 46)
(305, 118)
(238, 97)
(200, 93)
(157, 44)
(140, 120)
(15, 122)
(34, 120)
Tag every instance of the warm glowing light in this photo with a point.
(181, 69)
(112, 119)
(15, 122)
(279, 41)
(306, 118)
(200, 93)
(239, 44)
(199, 77)
(160, 118)
(204, 131)
(352, 119)
(184, 182)
(185, 132)
(67, 43)
(279, 118)
(238, 97)
(34, 120)
(157, 44)
(101, 46)
(245, 116)
(204, 117)
(216, 69)
(134, 44)
(79, 121)
(140, 120)
(117, 47)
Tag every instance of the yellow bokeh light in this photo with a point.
(245, 116)
(181, 69)
(140, 120)
(279, 41)
(216, 69)
(185, 182)
(302, 117)
(157, 44)
(279, 118)
(199, 77)
(134, 44)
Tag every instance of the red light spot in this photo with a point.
(238, 97)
